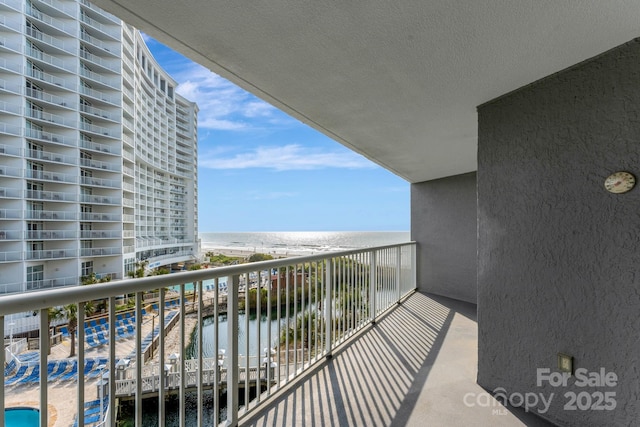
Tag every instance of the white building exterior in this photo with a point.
(98, 153)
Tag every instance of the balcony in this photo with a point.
(50, 195)
(52, 157)
(50, 137)
(51, 215)
(95, 146)
(89, 216)
(100, 251)
(51, 254)
(335, 300)
(106, 200)
(97, 164)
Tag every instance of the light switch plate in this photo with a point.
(565, 363)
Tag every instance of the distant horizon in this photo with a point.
(310, 231)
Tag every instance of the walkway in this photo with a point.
(411, 369)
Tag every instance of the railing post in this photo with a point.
(398, 271)
(44, 354)
(327, 307)
(373, 294)
(232, 349)
(2, 360)
(414, 267)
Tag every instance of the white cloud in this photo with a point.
(288, 157)
(223, 106)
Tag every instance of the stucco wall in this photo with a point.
(443, 223)
(558, 256)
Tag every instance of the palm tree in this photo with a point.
(70, 312)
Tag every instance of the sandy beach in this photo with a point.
(245, 253)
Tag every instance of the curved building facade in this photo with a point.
(98, 153)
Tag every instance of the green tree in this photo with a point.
(70, 313)
(260, 257)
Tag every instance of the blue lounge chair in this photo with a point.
(72, 373)
(101, 338)
(20, 374)
(60, 370)
(9, 368)
(91, 341)
(88, 366)
(121, 331)
(32, 377)
(103, 321)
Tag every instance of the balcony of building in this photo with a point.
(335, 296)
(383, 355)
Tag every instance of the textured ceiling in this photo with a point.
(397, 81)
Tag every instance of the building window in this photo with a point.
(35, 71)
(35, 275)
(34, 90)
(35, 246)
(35, 206)
(87, 268)
(34, 110)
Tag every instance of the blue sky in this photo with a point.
(262, 170)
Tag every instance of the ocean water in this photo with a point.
(304, 242)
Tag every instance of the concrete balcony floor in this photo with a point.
(413, 368)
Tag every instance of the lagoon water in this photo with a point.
(306, 243)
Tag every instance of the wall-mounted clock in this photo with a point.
(620, 182)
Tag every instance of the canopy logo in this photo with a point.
(598, 399)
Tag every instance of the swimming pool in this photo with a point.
(21, 417)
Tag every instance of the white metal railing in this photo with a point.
(50, 234)
(100, 234)
(106, 200)
(51, 253)
(53, 41)
(51, 176)
(56, 23)
(100, 251)
(99, 112)
(112, 99)
(306, 306)
(111, 48)
(51, 156)
(99, 182)
(97, 164)
(109, 149)
(56, 215)
(53, 99)
(50, 195)
(111, 30)
(50, 137)
(89, 216)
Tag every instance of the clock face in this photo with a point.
(619, 182)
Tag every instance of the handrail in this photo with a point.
(313, 304)
(10, 304)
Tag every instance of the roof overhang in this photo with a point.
(397, 81)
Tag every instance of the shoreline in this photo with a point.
(246, 253)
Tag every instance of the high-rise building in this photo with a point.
(98, 153)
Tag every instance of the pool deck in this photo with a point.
(63, 395)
